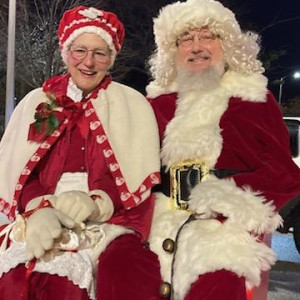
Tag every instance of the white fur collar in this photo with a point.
(194, 132)
(248, 87)
(153, 90)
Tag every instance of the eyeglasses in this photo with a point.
(79, 52)
(187, 40)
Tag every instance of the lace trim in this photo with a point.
(73, 91)
(77, 267)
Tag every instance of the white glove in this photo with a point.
(77, 205)
(43, 226)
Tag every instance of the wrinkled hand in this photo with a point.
(43, 226)
(77, 205)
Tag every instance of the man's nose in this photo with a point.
(197, 45)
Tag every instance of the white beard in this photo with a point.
(194, 132)
(200, 81)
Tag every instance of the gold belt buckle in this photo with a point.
(183, 177)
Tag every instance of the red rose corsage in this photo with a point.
(47, 120)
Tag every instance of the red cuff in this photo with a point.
(44, 203)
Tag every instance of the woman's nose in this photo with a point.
(89, 60)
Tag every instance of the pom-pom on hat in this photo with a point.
(82, 19)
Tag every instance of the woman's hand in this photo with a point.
(77, 205)
(42, 227)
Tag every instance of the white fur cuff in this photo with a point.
(241, 206)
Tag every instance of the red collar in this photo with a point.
(57, 87)
(48, 119)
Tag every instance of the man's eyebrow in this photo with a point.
(185, 33)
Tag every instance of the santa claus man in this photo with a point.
(227, 167)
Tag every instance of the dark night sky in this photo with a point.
(256, 15)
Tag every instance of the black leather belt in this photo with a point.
(187, 179)
(222, 173)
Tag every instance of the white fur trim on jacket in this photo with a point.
(194, 132)
(248, 87)
(242, 206)
(153, 90)
(205, 246)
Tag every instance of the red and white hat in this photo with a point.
(82, 19)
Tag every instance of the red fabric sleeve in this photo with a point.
(106, 183)
(164, 109)
(32, 189)
(256, 141)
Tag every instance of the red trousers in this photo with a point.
(219, 285)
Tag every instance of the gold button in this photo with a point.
(169, 245)
(165, 290)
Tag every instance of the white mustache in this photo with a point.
(195, 57)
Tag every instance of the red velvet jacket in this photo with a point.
(255, 141)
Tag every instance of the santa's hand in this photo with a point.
(43, 226)
(77, 205)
